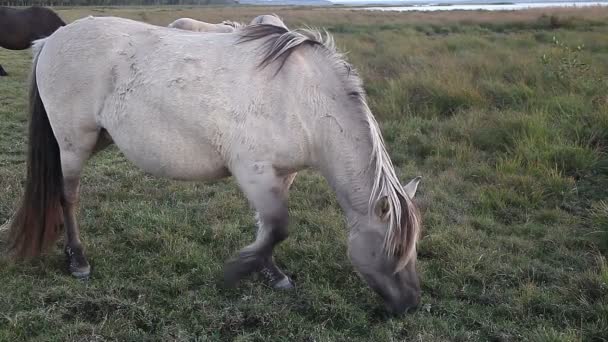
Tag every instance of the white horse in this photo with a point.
(225, 26)
(258, 104)
(189, 24)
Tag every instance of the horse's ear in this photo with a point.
(411, 187)
(382, 208)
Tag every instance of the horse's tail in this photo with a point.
(37, 223)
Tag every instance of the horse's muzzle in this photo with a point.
(403, 306)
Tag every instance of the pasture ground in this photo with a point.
(505, 115)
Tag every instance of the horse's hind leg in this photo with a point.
(267, 193)
(76, 260)
(74, 154)
(3, 72)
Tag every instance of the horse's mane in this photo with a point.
(404, 218)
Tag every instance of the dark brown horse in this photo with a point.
(20, 27)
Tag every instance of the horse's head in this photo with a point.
(392, 275)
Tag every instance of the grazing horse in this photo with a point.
(298, 104)
(201, 26)
(20, 27)
(225, 26)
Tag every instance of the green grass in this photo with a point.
(507, 125)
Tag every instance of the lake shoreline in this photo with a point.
(431, 7)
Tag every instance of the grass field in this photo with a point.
(505, 115)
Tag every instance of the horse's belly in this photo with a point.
(177, 159)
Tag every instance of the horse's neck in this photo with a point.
(340, 136)
(345, 160)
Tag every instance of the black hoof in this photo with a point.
(78, 265)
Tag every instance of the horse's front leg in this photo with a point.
(267, 193)
(273, 274)
(268, 268)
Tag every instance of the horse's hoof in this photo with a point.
(82, 274)
(276, 278)
(284, 284)
(78, 265)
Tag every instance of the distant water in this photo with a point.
(487, 7)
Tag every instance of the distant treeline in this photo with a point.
(112, 2)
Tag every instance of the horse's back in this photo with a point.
(53, 20)
(43, 21)
(111, 50)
